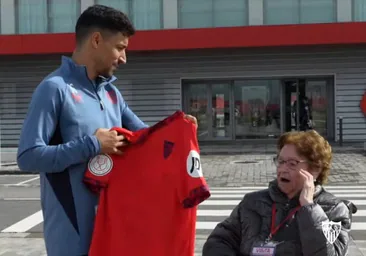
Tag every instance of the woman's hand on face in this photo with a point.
(307, 192)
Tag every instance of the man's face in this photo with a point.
(110, 52)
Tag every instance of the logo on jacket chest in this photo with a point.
(112, 96)
(331, 230)
(75, 94)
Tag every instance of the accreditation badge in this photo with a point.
(264, 249)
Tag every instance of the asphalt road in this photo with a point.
(21, 219)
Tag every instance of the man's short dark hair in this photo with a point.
(105, 19)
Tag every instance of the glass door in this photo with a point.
(220, 102)
(290, 115)
(210, 103)
(316, 93)
(196, 104)
(306, 106)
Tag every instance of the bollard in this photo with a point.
(341, 131)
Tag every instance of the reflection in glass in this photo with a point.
(257, 109)
(208, 13)
(317, 95)
(317, 11)
(197, 107)
(281, 12)
(221, 110)
(359, 10)
(32, 16)
(145, 14)
(299, 11)
(63, 15)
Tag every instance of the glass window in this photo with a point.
(299, 11)
(195, 14)
(122, 5)
(281, 12)
(144, 14)
(212, 13)
(63, 15)
(257, 109)
(317, 11)
(359, 10)
(31, 16)
(147, 14)
(197, 105)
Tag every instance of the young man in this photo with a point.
(69, 121)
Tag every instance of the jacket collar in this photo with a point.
(279, 197)
(80, 71)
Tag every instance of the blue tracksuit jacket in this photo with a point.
(57, 141)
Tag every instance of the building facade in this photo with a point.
(242, 67)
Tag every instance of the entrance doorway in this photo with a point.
(308, 105)
(260, 108)
(210, 103)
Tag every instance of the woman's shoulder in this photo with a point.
(255, 197)
(330, 202)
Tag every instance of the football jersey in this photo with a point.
(149, 195)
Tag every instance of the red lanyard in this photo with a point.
(274, 229)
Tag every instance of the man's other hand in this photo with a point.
(110, 141)
(192, 119)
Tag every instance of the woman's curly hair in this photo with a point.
(313, 147)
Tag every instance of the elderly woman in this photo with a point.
(292, 216)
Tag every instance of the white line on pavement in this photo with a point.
(26, 181)
(235, 202)
(21, 199)
(213, 212)
(25, 224)
(242, 195)
(217, 213)
(209, 225)
(249, 191)
(264, 187)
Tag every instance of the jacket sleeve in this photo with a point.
(34, 152)
(313, 240)
(130, 120)
(225, 238)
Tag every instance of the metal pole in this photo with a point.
(340, 131)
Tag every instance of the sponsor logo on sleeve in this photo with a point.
(194, 167)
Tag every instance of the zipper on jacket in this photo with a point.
(96, 91)
(99, 99)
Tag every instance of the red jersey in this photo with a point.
(149, 195)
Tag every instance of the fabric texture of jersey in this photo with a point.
(57, 141)
(149, 195)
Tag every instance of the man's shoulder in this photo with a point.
(53, 81)
(55, 78)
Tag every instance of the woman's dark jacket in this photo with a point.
(250, 222)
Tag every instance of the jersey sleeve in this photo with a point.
(98, 172)
(192, 186)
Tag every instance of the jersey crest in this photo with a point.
(168, 148)
(100, 165)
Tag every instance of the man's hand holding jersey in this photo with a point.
(191, 118)
(110, 141)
